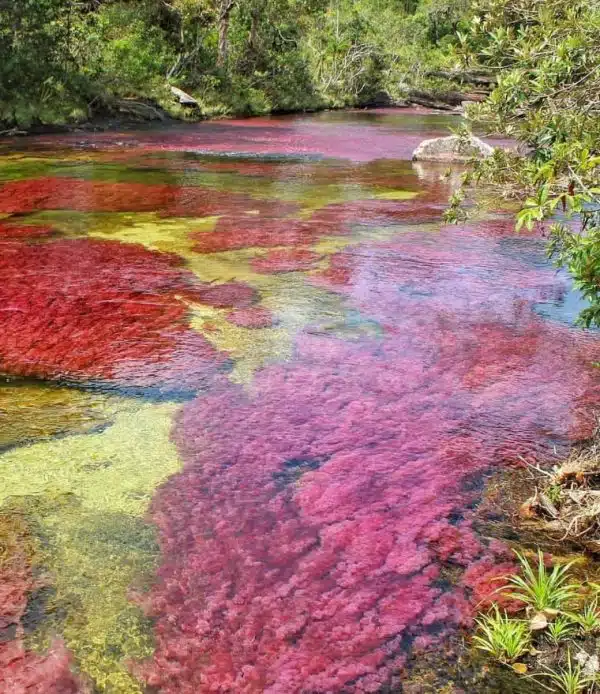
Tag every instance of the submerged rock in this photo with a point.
(452, 148)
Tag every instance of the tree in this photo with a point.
(225, 7)
(34, 55)
(546, 59)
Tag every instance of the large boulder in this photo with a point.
(452, 149)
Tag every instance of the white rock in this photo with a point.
(184, 98)
(452, 149)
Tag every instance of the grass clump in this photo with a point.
(588, 619)
(570, 679)
(504, 638)
(560, 629)
(540, 588)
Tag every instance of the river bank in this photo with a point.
(142, 114)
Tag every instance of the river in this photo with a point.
(252, 391)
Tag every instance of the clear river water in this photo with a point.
(252, 389)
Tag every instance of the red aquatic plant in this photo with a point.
(26, 672)
(234, 232)
(102, 196)
(104, 310)
(228, 295)
(23, 671)
(10, 230)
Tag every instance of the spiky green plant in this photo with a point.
(567, 680)
(560, 629)
(541, 588)
(504, 638)
(588, 619)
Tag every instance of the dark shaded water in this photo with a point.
(252, 391)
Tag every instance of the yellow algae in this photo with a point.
(88, 495)
(171, 235)
(250, 348)
(31, 411)
(294, 304)
(115, 470)
(17, 544)
(167, 234)
(396, 195)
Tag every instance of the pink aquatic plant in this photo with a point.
(305, 544)
(254, 317)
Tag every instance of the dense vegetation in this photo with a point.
(546, 59)
(68, 60)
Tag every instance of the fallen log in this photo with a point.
(139, 109)
(446, 101)
(184, 98)
(475, 77)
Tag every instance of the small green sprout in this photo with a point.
(560, 629)
(567, 680)
(588, 619)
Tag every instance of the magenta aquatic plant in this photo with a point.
(304, 545)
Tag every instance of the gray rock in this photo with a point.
(589, 663)
(452, 149)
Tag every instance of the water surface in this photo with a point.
(252, 388)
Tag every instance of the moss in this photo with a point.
(88, 495)
(31, 411)
(16, 539)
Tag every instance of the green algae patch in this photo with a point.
(166, 234)
(32, 411)
(88, 495)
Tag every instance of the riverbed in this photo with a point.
(252, 390)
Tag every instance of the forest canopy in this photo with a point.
(66, 61)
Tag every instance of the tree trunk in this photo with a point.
(225, 9)
(253, 37)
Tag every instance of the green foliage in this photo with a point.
(121, 52)
(63, 59)
(546, 58)
(544, 594)
(567, 680)
(580, 254)
(34, 60)
(541, 588)
(504, 638)
(588, 619)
